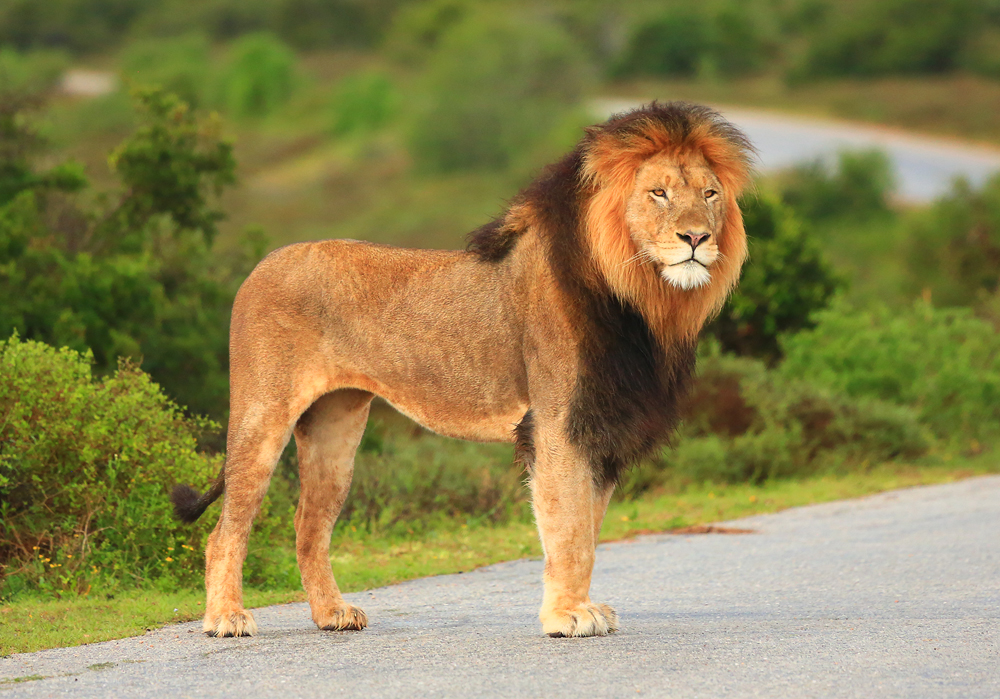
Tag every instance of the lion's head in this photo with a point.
(662, 217)
(650, 198)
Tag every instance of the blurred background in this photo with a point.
(152, 152)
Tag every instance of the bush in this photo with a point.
(953, 249)
(896, 37)
(418, 27)
(494, 90)
(363, 102)
(414, 481)
(85, 467)
(179, 65)
(858, 187)
(34, 71)
(686, 42)
(259, 76)
(137, 277)
(945, 363)
(745, 423)
(784, 282)
(672, 44)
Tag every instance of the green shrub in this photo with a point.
(363, 102)
(85, 468)
(76, 25)
(672, 44)
(784, 282)
(418, 27)
(494, 90)
(413, 481)
(745, 423)
(945, 363)
(859, 187)
(688, 41)
(137, 277)
(953, 249)
(181, 65)
(259, 76)
(899, 36)
(33, 71)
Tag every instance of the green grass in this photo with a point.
(364, 561)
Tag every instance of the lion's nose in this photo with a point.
(693, 239)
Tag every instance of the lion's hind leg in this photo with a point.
(327, 436)
(255, 444)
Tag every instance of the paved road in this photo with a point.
(925, 166)
(896, 595)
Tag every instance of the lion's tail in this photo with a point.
(189, 504)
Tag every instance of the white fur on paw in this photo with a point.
(236, 623)
(585, 620)
(347, 619)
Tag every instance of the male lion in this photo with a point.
(568, 327)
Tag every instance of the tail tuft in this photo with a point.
(188, 505)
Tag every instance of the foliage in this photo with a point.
(85, 26)
(19, 142)
(687, 41)
(745, 423)
(135, 277)
(363, 102)
(953, 249)
(892, 37)
(259, 76)
(406, 480)
(85, 466)
(784, 282)
(76, 25)
(494, 89)
(945, 363)
(30, 72)
(178, 64)
(418, 28)
(858, 187)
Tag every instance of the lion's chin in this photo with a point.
(687, 276)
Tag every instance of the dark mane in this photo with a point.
(626, 400)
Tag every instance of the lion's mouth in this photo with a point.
(690, 259)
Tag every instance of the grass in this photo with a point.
(363, 561)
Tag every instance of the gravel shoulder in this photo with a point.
(895, 595)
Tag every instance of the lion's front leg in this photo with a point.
(568, 509)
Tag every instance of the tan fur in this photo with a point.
(464, 347)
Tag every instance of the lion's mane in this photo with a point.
(638, 334)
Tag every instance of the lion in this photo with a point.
(567, 326)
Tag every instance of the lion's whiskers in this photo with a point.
(642, 257)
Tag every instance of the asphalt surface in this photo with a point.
(925, 166)
(895, 595)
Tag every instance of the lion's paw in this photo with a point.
(347, 618)
(584, 620)
(238, 622)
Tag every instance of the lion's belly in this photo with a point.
(451, 420)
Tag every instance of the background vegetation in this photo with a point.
(864, 332)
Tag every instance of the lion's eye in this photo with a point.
(709, 193)
(659, 193)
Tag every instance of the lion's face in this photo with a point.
(675, 214)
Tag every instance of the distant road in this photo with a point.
(925, 166)
(895, 595)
